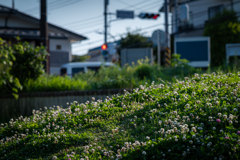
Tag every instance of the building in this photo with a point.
(200, 11)
(14, 23)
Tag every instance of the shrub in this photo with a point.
(143, 70)
(29, 61)
(8, 82)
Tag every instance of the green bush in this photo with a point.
(29, 61)
(19, 62)
(8, 82)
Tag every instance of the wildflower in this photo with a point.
(191, 142)
(227, 138)
(238, 132)
(54, 157)
(218, 120)
(144, 153)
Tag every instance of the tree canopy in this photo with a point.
(223, 28)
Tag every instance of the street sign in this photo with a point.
(158, 38)
(112, 48)
(125, 14)
(158, 34)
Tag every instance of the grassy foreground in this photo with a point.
(192, 119)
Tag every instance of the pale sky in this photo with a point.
(85, 17)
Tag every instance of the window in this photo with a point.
(63, 71)
(58, 47)
(77, 70)
(93, 68)
(212, 11)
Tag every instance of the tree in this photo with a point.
(135, 41)
(223, 28)
(19, 62)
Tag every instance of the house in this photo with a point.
(200, 11)
(14, 23)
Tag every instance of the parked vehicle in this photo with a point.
(70, 69)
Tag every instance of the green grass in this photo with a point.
(109, 78)
(195, 118)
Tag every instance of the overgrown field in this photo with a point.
(130, 76)
(197, 118)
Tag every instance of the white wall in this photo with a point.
(65, 47)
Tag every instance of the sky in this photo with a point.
(85, 17)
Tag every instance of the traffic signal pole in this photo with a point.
(105, 25)
(105, 21)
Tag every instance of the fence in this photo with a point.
(12, 108)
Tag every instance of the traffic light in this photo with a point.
(149, 15)
(104, 50)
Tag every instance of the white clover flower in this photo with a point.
(214, 128)
(144, 153)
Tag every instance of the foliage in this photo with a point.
(8, 82)
(197, 118)
(143, 70)
(135, 41)
(29, 61)
(223, 28)
(113, 77)
(77, 58)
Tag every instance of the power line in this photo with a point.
(100, 16)
(119, 35)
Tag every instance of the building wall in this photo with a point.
(65, 48)
(200, 8)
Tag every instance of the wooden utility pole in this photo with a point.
(167, 51)
(44, 31)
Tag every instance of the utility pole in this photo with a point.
(13, 4)
(44, 31)
(167, 51)
(105, 21)
(176, 17)
(166, 8)
(106, 57)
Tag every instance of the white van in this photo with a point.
(70, 69)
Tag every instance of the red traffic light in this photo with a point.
(149, 15)
(155, 16)
(104, 47)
